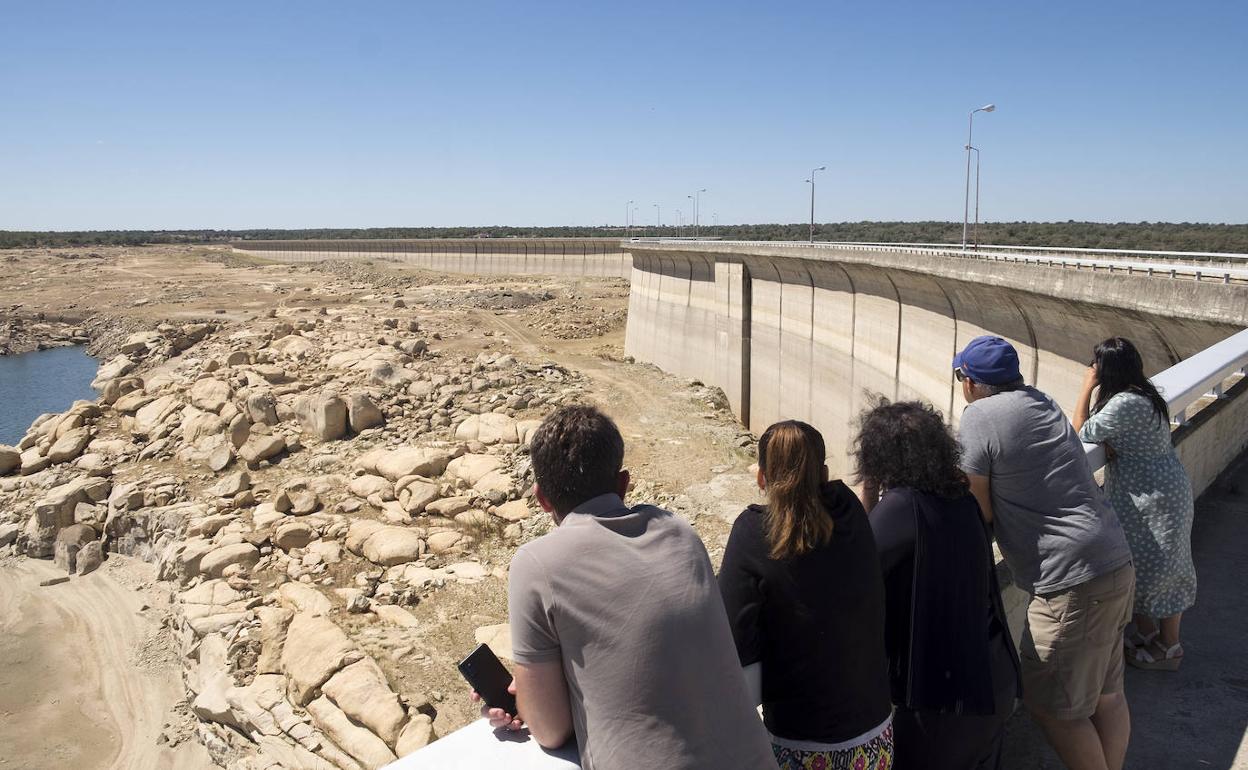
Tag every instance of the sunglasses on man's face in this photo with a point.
(958, 375)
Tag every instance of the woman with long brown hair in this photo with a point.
(805, 598)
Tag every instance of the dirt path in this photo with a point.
(88, 681)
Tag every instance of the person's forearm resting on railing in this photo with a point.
(541, 692)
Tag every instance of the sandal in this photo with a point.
(1145, 657)
(1134, 640)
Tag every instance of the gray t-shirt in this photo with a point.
(627, 599)
(1051, 520)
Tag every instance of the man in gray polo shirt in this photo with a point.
(1063, 544)
(618, 629)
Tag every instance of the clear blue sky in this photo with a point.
(317, 114)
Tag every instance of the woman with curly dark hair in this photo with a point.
(953, 670)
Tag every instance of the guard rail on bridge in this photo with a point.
(1204, 380)
(1201, 271)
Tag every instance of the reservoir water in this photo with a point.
(42, 381)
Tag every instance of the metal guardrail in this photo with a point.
(1191, 380)
(1130, 253)
(1204, 272)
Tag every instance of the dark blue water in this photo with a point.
(42, 381)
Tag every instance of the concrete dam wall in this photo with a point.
(795, 333)
(505, 256)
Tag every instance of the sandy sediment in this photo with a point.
(89, 680)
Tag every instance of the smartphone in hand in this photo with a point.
(489, 677)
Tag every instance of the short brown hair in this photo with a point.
(577, 455)
(791, 455)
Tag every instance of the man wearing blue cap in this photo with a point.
(1063, 543)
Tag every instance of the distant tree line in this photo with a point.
(1154, 236)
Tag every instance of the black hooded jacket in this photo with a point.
(815, 622)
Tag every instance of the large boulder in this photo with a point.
(55, 511)
(315, 649)
(303, 598)
(114, 368)
(413, 461)
(488, 428)
(90, 557)
(363, 694)
(70, 445)
(362, 413)
(197, 424)
(368, 485)
(262, 408)
(471, 468)
(389, 546)
(323, 415)
(210, 395)
(10, 460)
(415, 493)
(34, 461)
(69, 541)
(115, 389)
(362, 744)
(154, 414)
(261, 447)
(516, 510)
(214, 562)
(416, 734)
(293, 534)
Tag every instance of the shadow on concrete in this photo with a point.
(1197, 717)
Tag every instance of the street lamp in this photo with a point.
(628, 221)
(680, 223)
(658, 219)
(966, 203)
(976, 230)
(697, 206)
(715, 219)
(811, 182)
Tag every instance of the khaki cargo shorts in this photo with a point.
(1072, 648)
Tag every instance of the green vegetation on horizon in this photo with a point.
(1153, 236)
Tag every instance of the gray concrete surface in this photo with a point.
(799, 333)
(479, 256)
(1196, 717)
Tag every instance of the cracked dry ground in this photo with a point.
(310, 480)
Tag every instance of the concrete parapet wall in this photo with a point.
(788, 334)
(507, 256)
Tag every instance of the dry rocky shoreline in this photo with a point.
(329, 489)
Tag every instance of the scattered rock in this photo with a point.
(324, 415)
(362, 413)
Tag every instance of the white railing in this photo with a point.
(1192, 379)
(1195, 272)
(478, 747)
(1138, 253)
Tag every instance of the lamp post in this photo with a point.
(975, 230)
(715, 219)
(966, 203)
(680, 223)
(628, 219)
(658, 221)
(697, 207)
(811, 181)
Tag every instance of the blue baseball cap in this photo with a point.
(989, 360)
